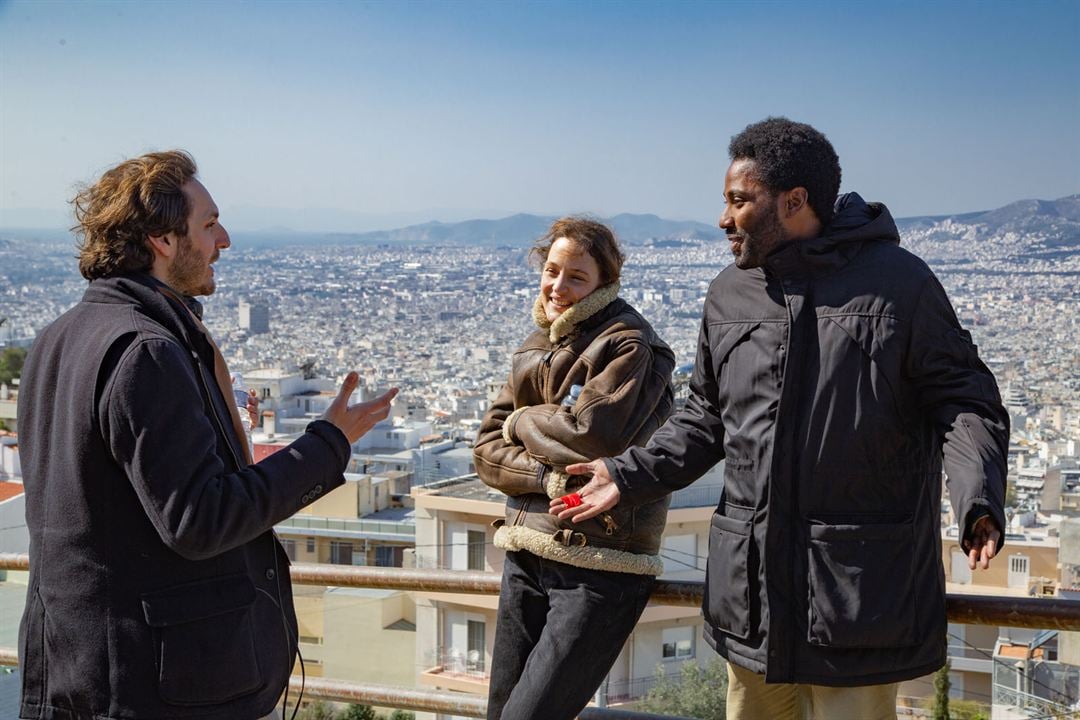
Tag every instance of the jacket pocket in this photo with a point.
(861, 586)
(204, 641)
(727, 576)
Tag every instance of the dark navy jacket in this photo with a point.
(157, 588)
(834, 381)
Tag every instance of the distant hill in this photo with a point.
(523, 229)
(1024, 232)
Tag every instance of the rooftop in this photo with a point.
(9, 490)
(468, 487)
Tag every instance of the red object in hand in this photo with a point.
(571, 500)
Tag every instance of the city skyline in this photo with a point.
(355, 117)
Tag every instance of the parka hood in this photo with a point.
(854, 223)
(856, 219)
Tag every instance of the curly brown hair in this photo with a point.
(138, 198)
(591, 236)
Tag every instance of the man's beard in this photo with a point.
(188, 273)
(755, 246)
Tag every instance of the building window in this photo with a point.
(340, 553)
(388, 556)
(310, 545)
(290, 548)
(1019, 573)
(677, 643)
(476, 541)
(475, 657)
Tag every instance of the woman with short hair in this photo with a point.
(593, 379)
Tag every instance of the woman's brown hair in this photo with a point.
(592, 237)
(136, 199)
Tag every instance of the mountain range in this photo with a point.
(1024, 231)
(1021, 232)
(523, 229)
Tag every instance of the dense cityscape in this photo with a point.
(441, 321)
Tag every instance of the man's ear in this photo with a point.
(161, 245)
(794, 201)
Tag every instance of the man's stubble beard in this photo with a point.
(756, 246)
(188, 273)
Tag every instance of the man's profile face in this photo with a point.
(191, 271)
(750, 218)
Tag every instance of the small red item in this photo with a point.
(571, 500)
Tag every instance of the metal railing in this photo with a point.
(1051, 613)
(1018, 612)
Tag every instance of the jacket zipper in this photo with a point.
(610, 526)
(544, 371)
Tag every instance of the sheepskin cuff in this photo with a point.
(519, 537)
(556, 484)
(508, 425)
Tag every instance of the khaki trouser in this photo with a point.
(749, 698)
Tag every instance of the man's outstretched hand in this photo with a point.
(599, 494)
(355, 420)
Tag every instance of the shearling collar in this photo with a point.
(577, 313)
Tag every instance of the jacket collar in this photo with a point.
(154, 299)
(576, 314)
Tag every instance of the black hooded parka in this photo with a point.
(834, 381)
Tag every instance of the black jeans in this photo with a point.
(559, 630)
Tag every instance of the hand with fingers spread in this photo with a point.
(355, 420)
(599, 494)
(983, 544)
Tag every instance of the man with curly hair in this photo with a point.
(834, 379)
(157, 587)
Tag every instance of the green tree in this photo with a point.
(968, 710)
(940, 710)
(11, 363)
(358, 712)
(402, 715)
(701, 692)
(318, 710)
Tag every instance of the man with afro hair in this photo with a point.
(834, 380)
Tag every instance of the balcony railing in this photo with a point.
(1050, 613)
(465, 663)
(380, 529)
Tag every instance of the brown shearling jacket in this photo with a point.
(529, 436)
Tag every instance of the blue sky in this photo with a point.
(351, 116)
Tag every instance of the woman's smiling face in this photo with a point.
(568, 275)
